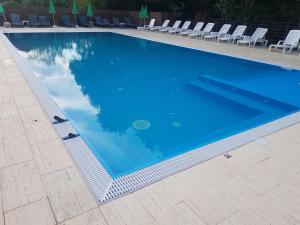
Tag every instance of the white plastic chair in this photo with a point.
(291, 41)
(257, 37)
(175, 26)
(184, 27)
(207, 29)
(147, 27)
(236, 35)
(157, 28)
(197, 28)
(215, 35)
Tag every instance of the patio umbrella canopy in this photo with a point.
(75, 10)
(2, 11)
(52, 10)
(90, 12)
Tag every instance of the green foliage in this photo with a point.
(242, 10)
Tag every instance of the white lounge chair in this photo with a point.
(175, 26)
(197, 28)
(291, 41)
(184, 27)
(215, 35)
(257, 37)
(157, 28)
(207, 29)
(236, 35)
(147, 27)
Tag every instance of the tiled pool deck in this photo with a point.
(40, 185)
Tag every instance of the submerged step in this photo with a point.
(215, 88)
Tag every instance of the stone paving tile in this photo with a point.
(14, 150)
(25, 100)
(92, 217)
(179, 214)
(1, 209)
(14, 130)
(69, 196)
(240, 192)
(4, 86)
(51, 156)
(32, 114)
(161, 195)
(210, 204)
(37, 213)
(8, 110)
(39, 132)
(21, 185)
(287, 198)
(126, 210)
(5, 97)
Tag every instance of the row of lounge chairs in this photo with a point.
(83, 21)
(237, 36)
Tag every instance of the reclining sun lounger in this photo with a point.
(117, 23)
(207, 29)
(215, 35)
(175, 26)
(197, 28)
(44, 21)
(257, 37)
(129, 23)
(33, 20)
(16, 21)
(147, 27)
(66, 21)
(157, 28)
(84, 22)
(106, 23)
(236, 35)
(291, 41)
(184, 27)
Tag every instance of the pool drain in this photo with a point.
(141, 124)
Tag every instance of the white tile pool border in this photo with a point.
(99, 181)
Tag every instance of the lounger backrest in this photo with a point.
(165, 24)
(43, 20)
(176, 24)
(33, 18)
(15, 18)
(259, 33)
(292, 38)
(98, 19)
(224, 29)
(198, 26)
(186, 25)
(128, 20)
(65, 19)
(239, 30)
(83, 19)
(152, 22)
(208, 27)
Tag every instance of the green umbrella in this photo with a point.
(141, 13)
(52, 10)
(75, 10)
(2, 11)
(146, 14)
(90, 12)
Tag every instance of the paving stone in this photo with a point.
(14, 150)
(21, 185)
(92, 217)
(179, 214)
(39, 132)
(51, 156)
(126, 210)
(32, 114)
(37, 213)
(68, 194)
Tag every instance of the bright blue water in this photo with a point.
(106, 82)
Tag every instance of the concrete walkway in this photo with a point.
(40, 185)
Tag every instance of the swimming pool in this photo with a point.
(138, 103)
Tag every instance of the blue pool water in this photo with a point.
(137, 102)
